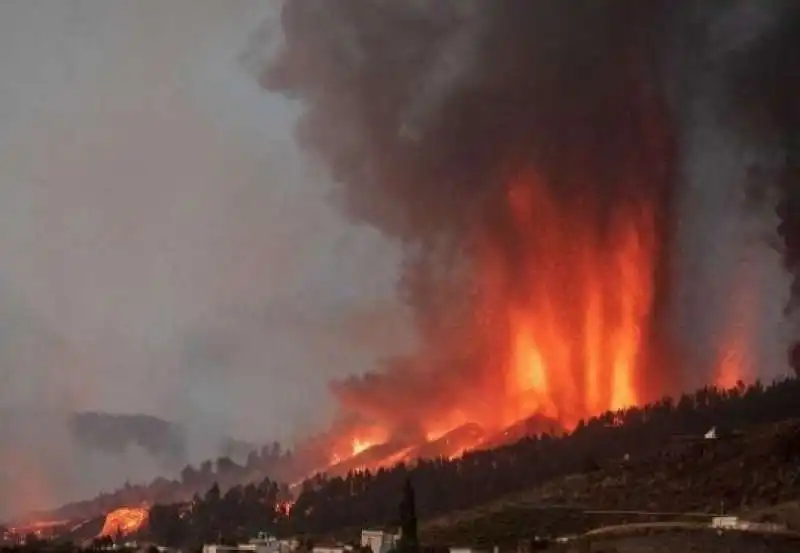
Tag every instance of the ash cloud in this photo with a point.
(422, 110)
(156, 258)
(738, 139)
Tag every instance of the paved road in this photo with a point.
(634, 526)
(651, 513)
(692, 526)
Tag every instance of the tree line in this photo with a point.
(230, 518)
(271, 461)
(360, 499)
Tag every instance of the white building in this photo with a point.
(379, 541)
(264, 543)
(725, 522)
(330, 549)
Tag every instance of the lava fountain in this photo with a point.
(576, 310)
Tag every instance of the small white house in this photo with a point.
(725, 522)
(217, 548)
(473, 550)
(330, 549)
(264, 543)
(711, 434)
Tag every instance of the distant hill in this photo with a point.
(64, 457)
(113, 433)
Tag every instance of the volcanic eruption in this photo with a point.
(526, 155)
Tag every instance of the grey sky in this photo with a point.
(164, 247)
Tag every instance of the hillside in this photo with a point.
(328, 504)
(750, 474)
(670, 467)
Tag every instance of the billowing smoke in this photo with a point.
(539, 157)
(767, 86)
(426, 112)
(729, 280)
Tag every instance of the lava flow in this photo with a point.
(124, 521)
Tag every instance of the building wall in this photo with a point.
(379, 541)
(724, 522)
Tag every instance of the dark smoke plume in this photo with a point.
(423, 111)
(765, 82)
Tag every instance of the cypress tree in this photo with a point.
(409, 542)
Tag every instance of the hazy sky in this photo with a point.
(164, 247)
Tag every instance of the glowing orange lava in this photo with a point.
(124, 521)
(361, 445)
(575, 333)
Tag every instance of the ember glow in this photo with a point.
(285, 506)
(124, 521)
